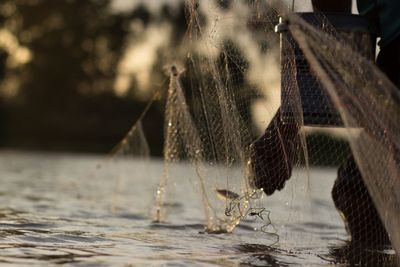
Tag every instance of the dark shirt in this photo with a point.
(385, 14)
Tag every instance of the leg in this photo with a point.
(349, 193)
(352, 199)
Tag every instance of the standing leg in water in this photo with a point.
(349, 193)
(352, 199)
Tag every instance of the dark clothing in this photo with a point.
(332, 6)
(349, 192)
(273, 155)
(384, 15)
(389, 60)
(351, 197)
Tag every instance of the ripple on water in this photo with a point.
(50, 225)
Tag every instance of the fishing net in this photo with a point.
(264, 122)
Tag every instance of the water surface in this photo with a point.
(71, 210)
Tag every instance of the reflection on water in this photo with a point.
(56, 210)
(261, 255)
(25, 241)
(359, 254)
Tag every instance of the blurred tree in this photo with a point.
(65, 97)
(76, 46)
(3, 60)
(60, 60)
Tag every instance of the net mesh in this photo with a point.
(369, 101)
(225, 91)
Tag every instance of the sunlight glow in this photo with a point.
(139, 60)
(19, 55)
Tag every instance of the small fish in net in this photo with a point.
(226, 194)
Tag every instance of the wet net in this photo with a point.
(268, 110)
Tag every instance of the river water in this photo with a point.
(71, 210)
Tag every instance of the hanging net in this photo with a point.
(265, 123)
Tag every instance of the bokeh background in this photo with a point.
(75, 75)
